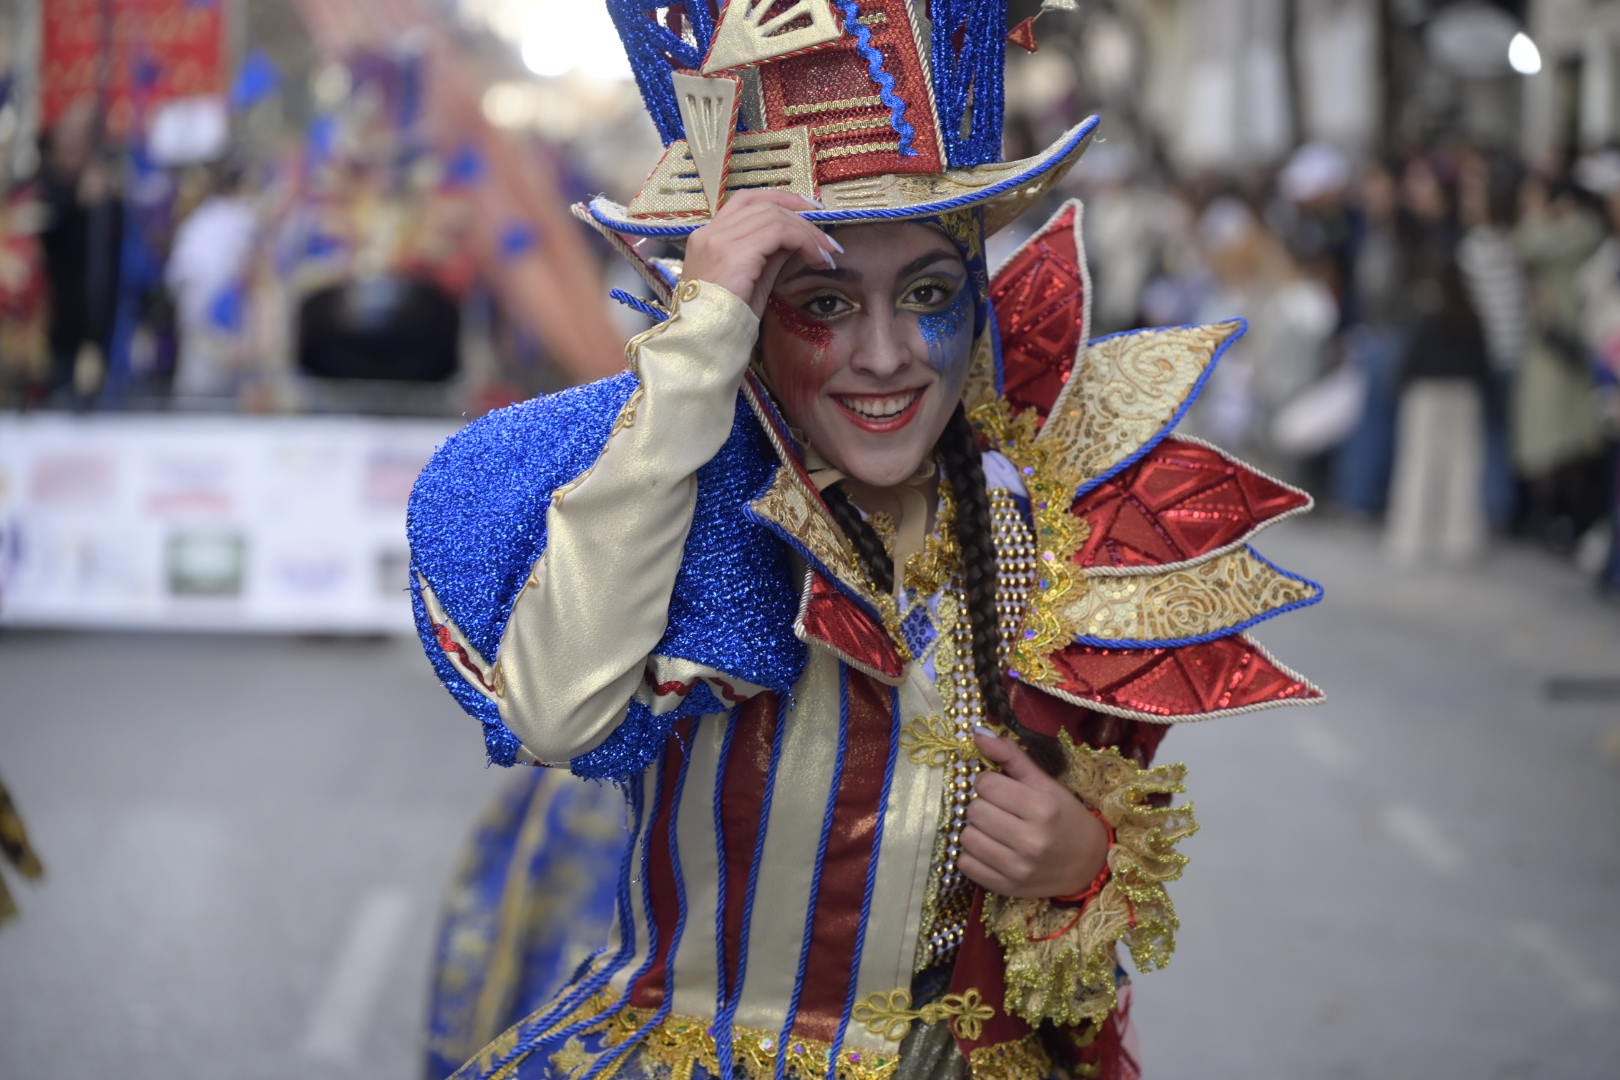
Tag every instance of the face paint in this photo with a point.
(939, 328)
(801, 379)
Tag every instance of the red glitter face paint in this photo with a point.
(804, 371)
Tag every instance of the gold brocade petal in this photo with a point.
(1125, 390)
(1068, 978)
(1182, 602)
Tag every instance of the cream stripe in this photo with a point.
(695, 961)
(781, 904)
(812, 107)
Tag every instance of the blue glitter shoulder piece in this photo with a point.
(477, 522)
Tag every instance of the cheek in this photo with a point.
(797, 356)
(945, 332)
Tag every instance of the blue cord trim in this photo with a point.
(532, 1036)
(654, 53)
(835, 217)
(1197, 390)
(728, 1014)
(821, 865)
(972, 77)
(636, 303)
(722, 983)
(885, 82)
(871, 878)
(606, 1061)
(1204, 639)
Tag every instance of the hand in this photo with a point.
(1027, 835)
(754, 234)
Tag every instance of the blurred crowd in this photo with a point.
(1434, 337)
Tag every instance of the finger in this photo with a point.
(1007, 794)
(982, 875)
(998, 824)
(1009, 755)
(993, 853)
(789, 200)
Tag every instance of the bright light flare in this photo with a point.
(576, 38)
(1523, 55)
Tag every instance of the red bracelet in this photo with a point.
(1101, 879)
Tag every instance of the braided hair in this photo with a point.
(964, 471)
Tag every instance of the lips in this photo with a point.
(880, 412)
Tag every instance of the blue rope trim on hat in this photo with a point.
(898, 213)
(1204, 639)
(636, 303)
(885, 82)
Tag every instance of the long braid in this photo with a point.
(964, 470)
(868, 545)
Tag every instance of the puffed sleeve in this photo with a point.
(600, 488)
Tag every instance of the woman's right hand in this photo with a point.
(746, 245)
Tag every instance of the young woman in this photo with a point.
(876, 590)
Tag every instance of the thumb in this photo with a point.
(1009, 755)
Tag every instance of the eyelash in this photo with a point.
(945, 287)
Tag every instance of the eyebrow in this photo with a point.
(922, 262)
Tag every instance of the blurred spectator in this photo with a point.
(24, 359)
(206, 275)
(1600, 292)
(81, 241)
(1557, 430)
(1494, 277)
(1436, 502)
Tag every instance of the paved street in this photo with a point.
(247, 837)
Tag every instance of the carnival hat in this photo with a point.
(881, 110)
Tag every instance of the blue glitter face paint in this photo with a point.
(940, 330)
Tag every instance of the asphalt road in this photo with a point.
(247, 838)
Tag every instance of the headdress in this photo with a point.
(881, 109)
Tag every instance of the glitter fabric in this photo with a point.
(477, 523)
(969, 47)
(656, 49)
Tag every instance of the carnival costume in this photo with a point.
(642, 578)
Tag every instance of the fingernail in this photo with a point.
(817, 203)
(825, 254)
(982, 730)
(833, 240)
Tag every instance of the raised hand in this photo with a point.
(1027, 835)
(749, 240)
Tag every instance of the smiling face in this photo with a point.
(868, 360)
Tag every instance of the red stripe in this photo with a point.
(742, 800)
(849, 853)
(648, 992)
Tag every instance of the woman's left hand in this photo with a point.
(1027, 835)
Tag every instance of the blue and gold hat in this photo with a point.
(880, 109)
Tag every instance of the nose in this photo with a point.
(885, 347)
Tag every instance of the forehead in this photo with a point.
(876, 252)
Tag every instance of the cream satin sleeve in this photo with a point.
(576, 649)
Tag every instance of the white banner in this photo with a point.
(177, 522)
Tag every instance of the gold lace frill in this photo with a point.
(1068, 978)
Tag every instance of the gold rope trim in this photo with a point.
(854, 149)
(888, 1015)
(812, 107)
(1069, 977)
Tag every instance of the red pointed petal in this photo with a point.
(1040, 302)
(1023, 35)
(1191, 680)
(1181, 501)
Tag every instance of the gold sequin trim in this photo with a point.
(1024, 1059)
(889, 1014)
(1068, 978)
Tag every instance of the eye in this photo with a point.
(930, 295)
(827, 306)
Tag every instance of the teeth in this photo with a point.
(880, 408)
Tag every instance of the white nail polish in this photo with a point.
(982, 730)
(825, 254)
(817, 203)
(833, 240)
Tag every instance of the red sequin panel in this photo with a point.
(1181, 501)
(831, 91)
(834, 618)
(1040, 302)
(1228, 673)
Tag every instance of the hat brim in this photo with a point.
(1005, 189)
